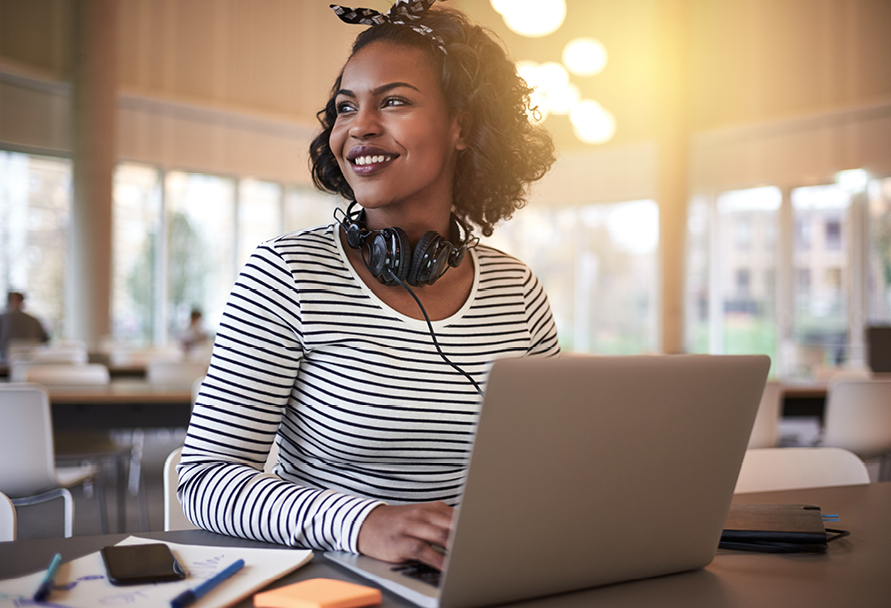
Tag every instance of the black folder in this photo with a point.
(777, 529)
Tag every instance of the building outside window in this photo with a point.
(820, 315)
(879, 252)
(727, 311)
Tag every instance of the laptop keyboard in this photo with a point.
(419, 571)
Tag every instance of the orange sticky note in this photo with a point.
(319, 593)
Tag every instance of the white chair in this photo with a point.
(176, 372)
(765, 432)
(772, 469)
(174, 518)
(7, 519)
(858, 418)
(28, 472)
(91, 447)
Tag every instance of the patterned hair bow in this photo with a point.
(404, 12)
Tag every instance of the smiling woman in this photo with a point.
(372, 399)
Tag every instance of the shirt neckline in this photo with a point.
(335, 234)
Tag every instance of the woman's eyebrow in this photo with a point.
(379, 90)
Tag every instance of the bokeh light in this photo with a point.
(531, 18)
(592, 123)
(585, 56)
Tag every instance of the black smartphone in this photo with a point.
(140, 564)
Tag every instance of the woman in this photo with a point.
(371, 394)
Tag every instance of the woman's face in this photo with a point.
(393, 137)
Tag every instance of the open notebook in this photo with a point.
(592, 470)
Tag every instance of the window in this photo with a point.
(730, 312)
(819, 329)
(35, 206)
(175, 243)
(833, 234)
(200, 222)
(136, 256)
(820, 315)
(259, 215)
(307, 208)
(698, 266)
(879, 251)
(743, 283)
(742, 233)
(599, 266)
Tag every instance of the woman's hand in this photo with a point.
(407, 532)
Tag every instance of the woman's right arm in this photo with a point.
(242, 401)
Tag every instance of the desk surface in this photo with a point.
(120, 391)
(856, 571)
(124, 403)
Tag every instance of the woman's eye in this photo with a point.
(344, 107)
(391, 102)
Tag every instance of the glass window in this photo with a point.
(879, 262)
(599, 266)
(259, 215)
(136, 263)
(820, 319)
(308, 207)
(748, 324)
(698, 266)
(200, 219)
(35, 207)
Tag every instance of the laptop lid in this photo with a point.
(593, 470)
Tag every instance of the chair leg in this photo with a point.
(69, 512)
(103, 506)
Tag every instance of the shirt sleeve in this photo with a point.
(256, 359)
(539, 318)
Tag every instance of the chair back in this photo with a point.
(7, 519)
(91, 373)
(858, 416)
(174, 518)
(770, 469)
(175, 372)
(767, 422)
(27, 464)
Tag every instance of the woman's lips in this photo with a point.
(368, 164)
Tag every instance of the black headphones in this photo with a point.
(389, 256)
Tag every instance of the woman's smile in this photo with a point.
(367, 160)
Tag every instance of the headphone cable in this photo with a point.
(433, 335)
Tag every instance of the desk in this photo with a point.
(120, 404)
(856, 571)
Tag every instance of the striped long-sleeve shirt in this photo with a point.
(363, 408)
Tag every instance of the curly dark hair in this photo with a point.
(505, 151)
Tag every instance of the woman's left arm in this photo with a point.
(539, 319)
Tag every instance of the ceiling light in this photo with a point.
(585, 56)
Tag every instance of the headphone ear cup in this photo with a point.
(389, 255)
(428, 260)
(354, 235)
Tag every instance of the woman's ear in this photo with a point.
(460, 127)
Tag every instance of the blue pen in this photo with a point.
(49, 580)
(192, 595)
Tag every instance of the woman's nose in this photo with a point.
(366, 123)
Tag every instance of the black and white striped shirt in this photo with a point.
(363, 407)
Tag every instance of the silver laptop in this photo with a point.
(592, 470)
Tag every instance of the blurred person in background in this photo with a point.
(17, 326)
(194, 336)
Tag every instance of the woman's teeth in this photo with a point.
(367, 160)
